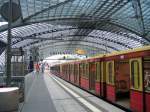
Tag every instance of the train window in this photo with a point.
(110, 72)
(135, 74)
(147, 75)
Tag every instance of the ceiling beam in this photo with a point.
(102, 20)
(61, 42)
(97, 20)
(87, 41)
(138, 14)
(34, 36)
(81, 45)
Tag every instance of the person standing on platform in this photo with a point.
(37, 68)
(31, 65)
(43, 67)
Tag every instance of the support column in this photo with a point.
(8, 49)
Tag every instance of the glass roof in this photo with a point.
(2, 47)
(30, 7)
(104, 25)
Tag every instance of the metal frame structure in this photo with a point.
(109, 24)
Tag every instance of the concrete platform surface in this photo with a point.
(38, 99)
(51, 94)
(97, 102)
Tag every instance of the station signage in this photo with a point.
(80, 51)
(16, 52)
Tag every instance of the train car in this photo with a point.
(125, 75)
(121, 77)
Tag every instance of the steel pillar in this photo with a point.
(8, 48)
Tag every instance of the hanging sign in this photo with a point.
(16, 51)
(80, 51)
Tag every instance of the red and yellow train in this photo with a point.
(121, 77)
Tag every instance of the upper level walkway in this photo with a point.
(48, 93)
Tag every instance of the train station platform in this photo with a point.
(49, 93)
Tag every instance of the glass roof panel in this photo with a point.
(30, 7)
(2, 59)
(145, 6)
(122, 41)
(117, 24)
(126, 17)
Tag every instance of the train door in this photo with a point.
(98, 78)
(136, 85)
(78, 74)
(81, 66)
(122, 82)
(84, 81)
(75, 73)
(110, 85)
(103, 80)
(72, 72)
(87, 74)
(69, 71)
(146, 71)
(61, 69)
(65, 72)
(92, 76)
(68, 75)
(64, 66)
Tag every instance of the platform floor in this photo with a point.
(38, 99)
(51, 94)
